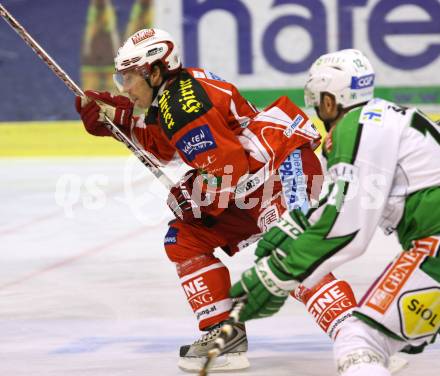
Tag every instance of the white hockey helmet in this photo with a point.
(145, 48)
(347, 74)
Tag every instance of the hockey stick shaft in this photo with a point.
(63, 76)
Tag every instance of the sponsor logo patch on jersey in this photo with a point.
(372, 115)
(181, 103)
(188, 100)
(291, 128)
(362, 82)
(171, 236)
(213, 76)
(196, 141)
(247, 185)
(390, 285)
(294, 182)
(419, 312)
(198, 74)
(165, 110)
(430, 245)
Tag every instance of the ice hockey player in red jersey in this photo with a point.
(247, 168)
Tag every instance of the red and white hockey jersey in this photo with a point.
(213, 128)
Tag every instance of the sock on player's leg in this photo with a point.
(206, 282)
(330, 302)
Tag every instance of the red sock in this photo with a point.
(330, 302)
(206, 282)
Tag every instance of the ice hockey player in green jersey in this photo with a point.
(383, 169)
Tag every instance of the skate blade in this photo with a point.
(224, 363)
(396, 364)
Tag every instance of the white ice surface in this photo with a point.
(86, 288)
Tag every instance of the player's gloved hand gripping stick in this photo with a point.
(54, 67)
(121, 111)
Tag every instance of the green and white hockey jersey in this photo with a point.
(383, 164)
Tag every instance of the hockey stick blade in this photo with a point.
(222, 339)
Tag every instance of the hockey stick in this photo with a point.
(223, 337)
(55, 68)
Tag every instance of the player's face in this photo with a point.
(137, 89)
(327, 109)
